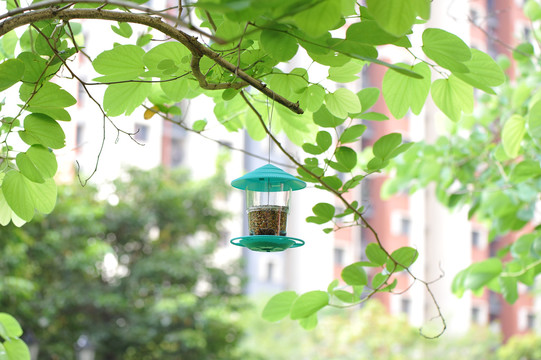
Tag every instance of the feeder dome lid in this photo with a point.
(268, 178)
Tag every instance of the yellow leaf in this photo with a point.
(149, 113)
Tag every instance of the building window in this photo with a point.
(270, 271)
(79, 134)
(405, 306)
(177, 153)
(338, 256)
(405, 225)
(476, 239)
(475, 315)
(141, 132)
(400, 223)
(81, 93)
(530, 321)
(366, 189)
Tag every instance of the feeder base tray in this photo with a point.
(267, 243)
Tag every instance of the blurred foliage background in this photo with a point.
(133, 270)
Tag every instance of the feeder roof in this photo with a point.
(268, 178)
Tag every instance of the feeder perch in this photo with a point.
(268, 190)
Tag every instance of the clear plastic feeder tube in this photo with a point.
(267, 212)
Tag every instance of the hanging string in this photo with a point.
(269, 116)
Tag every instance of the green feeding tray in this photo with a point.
(268, 178)
(267, 243)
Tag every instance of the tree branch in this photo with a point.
(190, 42)
(202, 79)
(354, 210)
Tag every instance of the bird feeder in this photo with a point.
(268, 190)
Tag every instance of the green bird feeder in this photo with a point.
(268, 190)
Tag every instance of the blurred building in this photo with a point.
(447, 241)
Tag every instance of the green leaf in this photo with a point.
(372, 116)
(332, 285)
(298, 128)
(403, 92)
(17, 349)
(452, 96)
(483, 73)
(354, 274)
(522, 246)
(7, 215)
(309, 323)
(353, 182)
(177, 55)
(324, 118)
(525, 170)
(50, 99)
(143, 40)
(368, 97)
(11, 72)
(378, 280)
(123, 62)
(28, 169)
(402, 148)
(175, 90)
(312, 98)
(123, 29)
(319, 18)
(532, 9)
(457, 286)
(446, 49)
(375, 254)
(125, 98)
(43, 130)
(353, 49)
(512, 134)
(35, 68)
(279, 306)
(278, 44)
(345, 296)
(199, 125)
(40, 159)
(10, 325)
(509, 289)
(377, 164)
(385, 145)
(323, 142)
(345, 73)
(309, 303)
(346, 158)
(23, 195)
(352, 134)
(324, 211)
(404, 257)
(3, 353)
(534, 122)
(481, 273)
(523, 52)
(342, 102)
(369, 32)
(397, 16)
(333, 181)
(292, 84)
(316, 220)
(8, 43)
